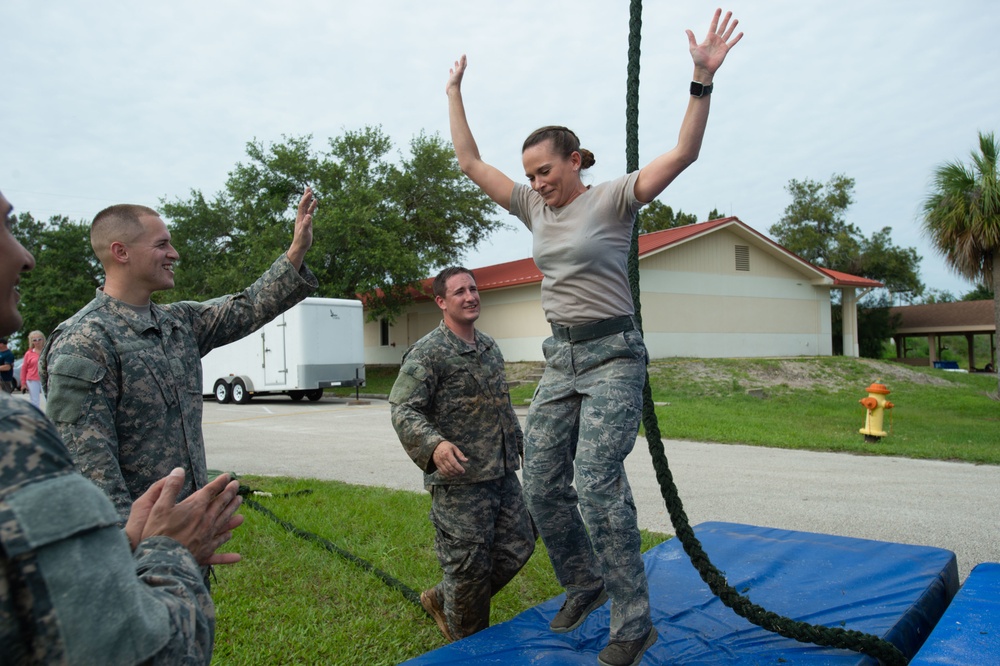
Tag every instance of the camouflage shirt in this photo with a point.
(448, 390)
(125, 390)
(70, 589)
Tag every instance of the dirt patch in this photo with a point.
(748, 374)
(790, 373)
(523, 372)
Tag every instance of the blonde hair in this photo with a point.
(35, 334)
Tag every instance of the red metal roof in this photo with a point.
(848, 280)
(524, 271)
(510, 274)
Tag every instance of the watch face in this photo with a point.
(697, 89)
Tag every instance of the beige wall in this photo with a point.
(512, 316)
(695, 303)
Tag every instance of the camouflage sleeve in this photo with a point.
(410, 403)
(81, 399)
(172, 576)
(106, 613)
(222, 320)
(60, 537)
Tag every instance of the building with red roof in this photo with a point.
(713, 289)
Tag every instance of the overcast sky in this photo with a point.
(108, 102)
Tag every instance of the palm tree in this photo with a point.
(962, 217)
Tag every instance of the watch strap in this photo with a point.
(699, 89)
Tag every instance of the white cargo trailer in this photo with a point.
(316, 344)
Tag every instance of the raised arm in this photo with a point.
(490, 180)
(708, 57)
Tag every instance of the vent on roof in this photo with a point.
(742, 257)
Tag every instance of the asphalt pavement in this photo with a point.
(955, 506)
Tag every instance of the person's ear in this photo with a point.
(119, 252)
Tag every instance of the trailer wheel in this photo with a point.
(240, 394)
(296, 395)
(314, 395)
(221, 391)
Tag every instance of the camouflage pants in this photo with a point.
(484, 537)
(587, 409)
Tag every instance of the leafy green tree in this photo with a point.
(962, 217)
(895, 267)
(980, 293)
(814, 227)
(657, 216)
(65, 275)
(938, 296)
(875, 326)
(382, 224)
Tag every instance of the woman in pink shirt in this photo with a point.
(29, 368)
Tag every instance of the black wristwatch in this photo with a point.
(699, 89)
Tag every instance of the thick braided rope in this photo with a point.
(408, 593)
(883, 650)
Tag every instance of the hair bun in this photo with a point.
(588, 160)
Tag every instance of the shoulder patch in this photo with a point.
(71, 379)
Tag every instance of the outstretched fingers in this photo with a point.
(224, 508)
(307, 205)
(456, 73)
(725, 30)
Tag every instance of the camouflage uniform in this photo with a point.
(70, 590)
(588, 406)
(125, 391)
(447, 390)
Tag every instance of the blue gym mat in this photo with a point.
(892, 590)
(969, 632)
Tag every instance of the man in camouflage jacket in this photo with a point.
(73, 587)
(123, 376)
(451, 409)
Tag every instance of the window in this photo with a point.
(743, 257)
(383, 326)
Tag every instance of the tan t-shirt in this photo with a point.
(582, 249)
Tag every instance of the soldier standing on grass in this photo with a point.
(75, 589)
(451, 409)
(123, 375)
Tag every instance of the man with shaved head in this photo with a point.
(123, 375)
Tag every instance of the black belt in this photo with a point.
(593, 330)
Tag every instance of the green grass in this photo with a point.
(812, 403)
(378, 381)
(808, 403)
(292, 602)
(938, 415)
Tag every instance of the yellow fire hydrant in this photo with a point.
(876, 404)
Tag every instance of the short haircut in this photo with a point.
(118, 223)
(440, 286)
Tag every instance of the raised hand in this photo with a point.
(302, 236)
(710, 54)
(202, 522)
(455, 75)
